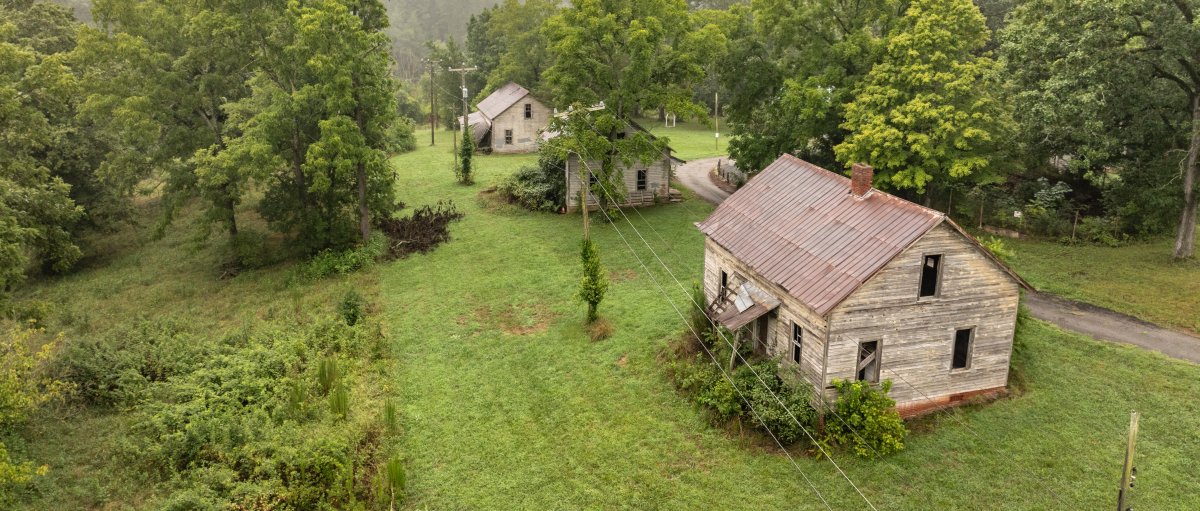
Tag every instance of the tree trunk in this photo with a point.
(1185, 240)
(662, 114)
(364, 212)
(231, 209)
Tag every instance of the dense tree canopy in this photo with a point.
(793, 68)
(37, 100)
(1113, 88)
(929, 110)
(628, 55)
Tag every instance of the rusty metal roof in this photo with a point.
(798, 225)
(504, 97)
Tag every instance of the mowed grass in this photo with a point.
(1141, 279)
(691, 140)
(507, 404)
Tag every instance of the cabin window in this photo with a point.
(868, 362)
(507, 136)
(797, 342)
(963, 339)
(528, 111)
(621, 136)
(641, 180)
(931, 274)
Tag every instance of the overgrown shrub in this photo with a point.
(464, 170)
(866, 420)
(247, 249)
(1101, 231)
(594, 283)
(25, 384)
(246, 427)
(116, 370)
(540, 188)
(350, 308)
(328, 263)
(998, 248)
(756, 394)
(401, 136)
(424, 230)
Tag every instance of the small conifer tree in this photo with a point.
(594, 283)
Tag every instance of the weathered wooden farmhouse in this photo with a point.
(509, 120)
(644, 184)
(842, 281)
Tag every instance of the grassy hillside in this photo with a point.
(1141, 279)
(505, 403)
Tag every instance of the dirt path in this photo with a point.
(1112, 326)
(695, 175)
(1086, 319)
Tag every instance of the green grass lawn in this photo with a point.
(1140, 279)
(509, 405)
(506, 403)
(690, 140)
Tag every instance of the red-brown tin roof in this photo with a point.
(799, 226)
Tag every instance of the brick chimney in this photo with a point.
(860, 179)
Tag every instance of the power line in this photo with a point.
(738, 355)
(824, 405)
(727, 376)
(732, 347)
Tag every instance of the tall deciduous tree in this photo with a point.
(37, 212)
(1114, 86)
(621, 53)
(792, 68)
(930, 110)
(319, 121)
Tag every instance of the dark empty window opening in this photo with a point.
(724, 285)
(507, 136)
(641, 180)
(868, 362)
(962, 348)
(621, 136)
(528, 111)
(931, 272)
(797, 342)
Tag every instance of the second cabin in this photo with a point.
(842, 281)
(645, 184)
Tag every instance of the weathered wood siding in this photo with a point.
(526, 132)
(917, 335)
(658, 181)
(779, 344)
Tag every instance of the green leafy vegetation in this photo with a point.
(594, 283)
(865, 419)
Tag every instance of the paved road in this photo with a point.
(1112, 326)
(1086, 319)
(695, 175)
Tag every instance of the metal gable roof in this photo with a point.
(799, 226)
(504, 98)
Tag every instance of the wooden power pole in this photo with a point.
(1129, 474)
(432, 104)
(717, 118)
(462, 73)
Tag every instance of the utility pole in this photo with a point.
(462, 73)
(432, 104)
(717, 118)
(1129, 474)
(584, 181)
